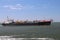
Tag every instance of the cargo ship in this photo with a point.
(27, 22)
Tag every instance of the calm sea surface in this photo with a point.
(51, 32)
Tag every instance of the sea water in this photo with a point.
(46, 32)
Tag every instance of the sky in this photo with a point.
(30, 9)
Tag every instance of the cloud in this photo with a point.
(13, 7)
(20, 7)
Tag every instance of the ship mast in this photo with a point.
(8, 18)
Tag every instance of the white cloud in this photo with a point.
(20, 7)
(14, 7)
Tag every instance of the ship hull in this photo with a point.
(27, 24)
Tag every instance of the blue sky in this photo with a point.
(30, 9)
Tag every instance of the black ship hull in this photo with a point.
(27, 24)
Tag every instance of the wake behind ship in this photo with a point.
(27, 22)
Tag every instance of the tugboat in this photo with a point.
(21, 23)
